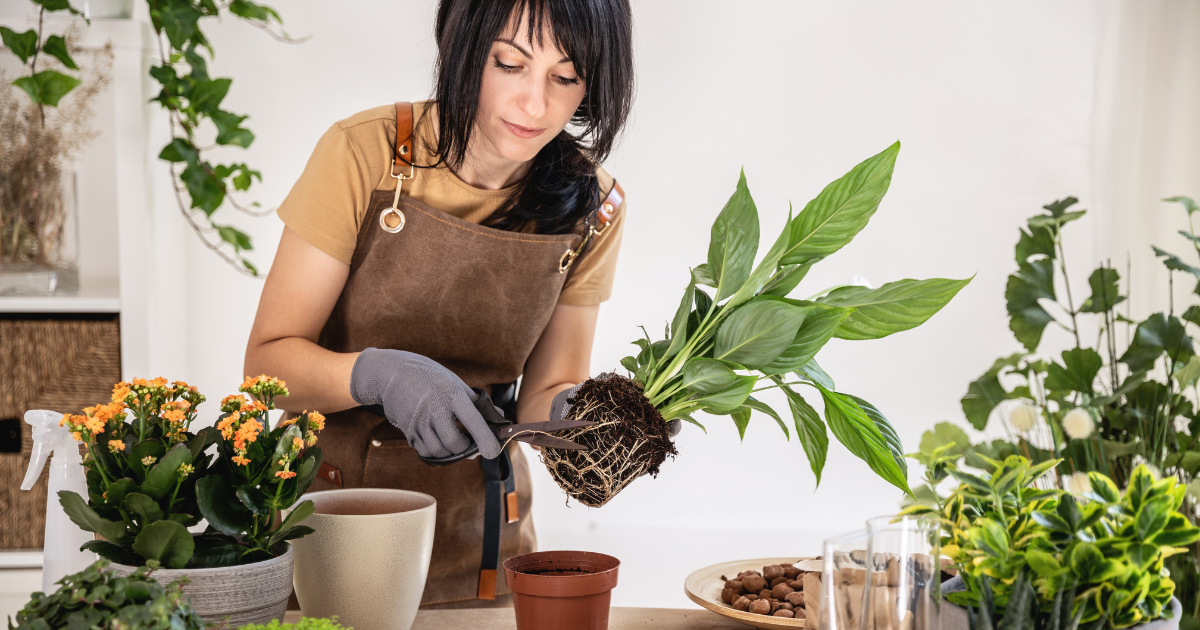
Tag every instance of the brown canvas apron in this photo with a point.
(476, 300)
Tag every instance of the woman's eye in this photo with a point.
(503, 67)
(566, 81)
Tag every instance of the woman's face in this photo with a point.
(528, 94)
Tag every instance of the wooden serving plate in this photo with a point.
(704, 587)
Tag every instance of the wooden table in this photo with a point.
(621, 619)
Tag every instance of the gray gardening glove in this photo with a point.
(559, 408)
(423, 399)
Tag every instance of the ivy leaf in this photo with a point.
(23, 45)
(47, 87)
(810, 430)
(253, 11)
(229, 129)
(841, 210)
(206, 193)
(1105, 291)
(1157, 335)
(859, 433)
(179, 150)
(178, 20)
(206, 96)
(56, 47)
(235, 237)
(734, 242)
(893, 307)
(1034, 280)
(1079, 373)
(1038, 241)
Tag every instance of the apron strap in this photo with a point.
(402, 150)
(499, 480)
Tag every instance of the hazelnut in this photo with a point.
(741, 603)
(794, 598)
(727, 595)
(786, 606)
(796, 585)
(780, 580)
(735, 586)
(764, 594)
(790, 572)
(772, 571)
(760, 607)
(781, 591)
(751, 596)
(753, 583)
(784, 613)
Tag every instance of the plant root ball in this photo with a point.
(760, 607)
(754, 583)
(629, 439)
(784, 613)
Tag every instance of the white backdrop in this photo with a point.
(998, 105)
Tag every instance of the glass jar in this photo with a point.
(39, 236)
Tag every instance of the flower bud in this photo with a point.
(1077, 483)
(1078, 423)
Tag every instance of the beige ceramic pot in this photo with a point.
(237, 595)
(367, 561)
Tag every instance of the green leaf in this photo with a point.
(178, 20)
(983, 395)
(1174, 263)
(741, 419)
(1043, 563)
(23, 45)
(730, 397)
(205, 192)
(163, 476)
(255, 500)
(734, 242)
(763, 272)
(861, 436)
(56, 47)
(86, 518)
(180, 150)
(1034, 280)
(298, 514)
(115, 495)
(1192, 314)
(893, 307)
(1106, 291)
(1158, 334)
(253, 11)
(1079, 373)
(1103, 487)
(1088, 563)
(841, 210)
(230, 131)
(758, 332)
(166, 541)
(818, 327)
(758, 405)
(140, 451)
(944, 433)
(111, 551)
(887, 431)
(214, 551)
(291, 533)
(56, 5)
(1038, 241)
(1188, 373)
(990, 536)
(144, 507)
(679, 324)
(47, 87)
(1142, 555)
(1152, 517)
(706, 375)
(218, 504)
(703, 275)
(206, 96)
(1187, 202)
(235, 237)
(812, 372)
(810, 430)
(788, 278)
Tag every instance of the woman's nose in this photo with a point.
(533, 98)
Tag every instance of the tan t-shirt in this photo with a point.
(327, 205)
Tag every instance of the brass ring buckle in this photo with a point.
(396, 201)
(568, 259)
(383, 220)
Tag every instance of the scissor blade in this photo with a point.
(548, 441)
(537, 428)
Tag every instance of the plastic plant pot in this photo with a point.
(565, 590)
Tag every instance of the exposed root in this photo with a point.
(630, 438)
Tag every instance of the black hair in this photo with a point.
(596, 35)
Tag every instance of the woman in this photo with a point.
(464, 249)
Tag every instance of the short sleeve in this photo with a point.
(324, 203)
(592, 280)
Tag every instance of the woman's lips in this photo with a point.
(523, 132)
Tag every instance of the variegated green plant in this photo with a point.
(1036, 558)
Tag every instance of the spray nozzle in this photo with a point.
(48, 437)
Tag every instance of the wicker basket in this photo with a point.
(58, 363)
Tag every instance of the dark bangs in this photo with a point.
(561, 187)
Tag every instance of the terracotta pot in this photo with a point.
(246, 593)
(564, 590)
(368, 558)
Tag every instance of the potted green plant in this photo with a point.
(1030, 557)
(150, 478)
(1126, 399)
(97, 598)
(736, 327)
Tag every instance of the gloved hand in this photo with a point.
(423, 399)
(559, 407)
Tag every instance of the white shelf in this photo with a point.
(21, 559)
(93, 297)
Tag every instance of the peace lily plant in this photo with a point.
(736, 332)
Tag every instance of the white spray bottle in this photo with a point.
(63, 538)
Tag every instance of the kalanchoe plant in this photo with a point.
(95, 598)
(1043, 558)
(736, 327)
(150, 478)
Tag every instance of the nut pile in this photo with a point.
(780, 590)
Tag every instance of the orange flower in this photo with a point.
(316, 419)
(174, 415)
(310, 439)
(226, 400)
(120, 391)
(241, 461)
(246, 433)
(65, 419)
(94, 424)
(77, 436)
(140, 382)
(285, 423)
(226, 426)
(297, 444)
(116, 446)
(158, 382)
(285, 474)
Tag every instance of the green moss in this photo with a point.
(307, 623)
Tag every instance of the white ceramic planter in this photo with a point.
(243, 594)
(105, 9)
(368, 559)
